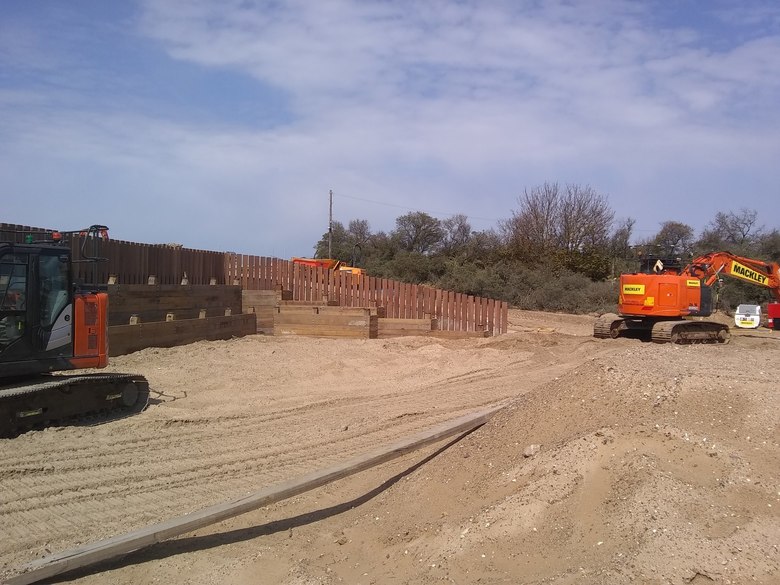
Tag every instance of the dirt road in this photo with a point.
(657, 464)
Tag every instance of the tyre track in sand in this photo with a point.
(247, 424)
(79, 484)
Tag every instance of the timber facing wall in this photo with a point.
(124, 339)
(403, 327)
(196, 312)
(320, 322)
(420, 328)
(155, 302)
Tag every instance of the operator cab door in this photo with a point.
(36, 304)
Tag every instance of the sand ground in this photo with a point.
(656, 464)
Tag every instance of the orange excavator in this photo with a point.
(328, 264)
(668, 300)
(50, 323)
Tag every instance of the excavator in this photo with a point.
(49, 323)
(329, 264)
(667, 300)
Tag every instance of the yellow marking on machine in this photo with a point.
(633, 289)
(746, 273)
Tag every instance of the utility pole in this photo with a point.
(330, 226)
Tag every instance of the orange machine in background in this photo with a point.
(328, 264)
(663, 297)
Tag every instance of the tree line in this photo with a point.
(560, 250)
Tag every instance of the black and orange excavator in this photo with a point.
(48, 324)
(667, 300)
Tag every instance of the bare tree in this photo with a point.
(457, 232)
(572, 220)
(738, 232)
(620, 243)
(531, 229)
(584, 219)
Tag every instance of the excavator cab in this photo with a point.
(40, 310)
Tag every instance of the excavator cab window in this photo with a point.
(660, 264)
(36, 304)
(55, 287)
(13, 297)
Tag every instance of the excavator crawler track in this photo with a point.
(59, 399)
(608, 326)
(680, 331)
(683, 331)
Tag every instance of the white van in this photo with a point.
(748, 316)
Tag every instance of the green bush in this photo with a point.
(543, 288)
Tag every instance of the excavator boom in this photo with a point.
(711, 266)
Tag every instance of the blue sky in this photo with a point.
(223, 125)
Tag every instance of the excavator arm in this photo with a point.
(710, 267)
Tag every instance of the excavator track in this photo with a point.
(680, 331)
(683, 331)
(60, 399)
(608, 326)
